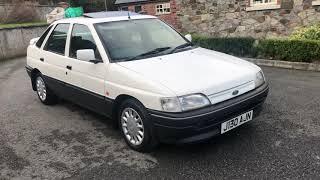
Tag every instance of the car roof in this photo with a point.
(105, 14)
(100, 17)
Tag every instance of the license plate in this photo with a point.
(235, 122)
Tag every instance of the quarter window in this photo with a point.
(81, 38)
(44, 35)
(163, 8)
(58, 38)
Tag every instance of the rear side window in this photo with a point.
(81, 38)
(58, 38)
(44, 35)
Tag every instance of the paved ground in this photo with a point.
(66, 141)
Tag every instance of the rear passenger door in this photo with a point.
(86, 78)
(54, 58)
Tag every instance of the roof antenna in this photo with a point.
(129, 17)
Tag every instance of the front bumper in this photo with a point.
(204, 123)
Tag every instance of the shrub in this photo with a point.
(278, 49)
(244, 47)
(310, 33)
(289, 50)
(77, 3)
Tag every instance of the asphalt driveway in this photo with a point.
(66, 141)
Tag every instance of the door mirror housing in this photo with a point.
(34, 41)
(96, 61)
(87, 55)
(189, 37)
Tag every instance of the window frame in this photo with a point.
(263, 6)
(69, 42)
(44, 45)
(163, 6)
(44, 36)
(316, 3)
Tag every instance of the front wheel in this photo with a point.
(135, 126)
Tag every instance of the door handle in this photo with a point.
(69, 67)
(42, 59)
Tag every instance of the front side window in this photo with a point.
(163, 8)
(124, 40)
(81, 38)
(57, 40)
(44, 35)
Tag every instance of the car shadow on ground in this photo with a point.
(106, 126)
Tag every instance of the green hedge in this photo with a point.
(290, 50)
(278, 49)
(244, 47)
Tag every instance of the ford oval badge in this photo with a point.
(235, 92)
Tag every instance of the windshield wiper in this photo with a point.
(181, 47)
(154, 51)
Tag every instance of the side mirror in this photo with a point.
(189, 37)
(87, 55)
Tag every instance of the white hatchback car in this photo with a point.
(149, 79)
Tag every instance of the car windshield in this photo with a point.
(137, 39)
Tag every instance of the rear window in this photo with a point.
(43, 37)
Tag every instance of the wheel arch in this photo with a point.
(117, 102)
(33, 76)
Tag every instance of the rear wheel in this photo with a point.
(135, 126)
(45, 95)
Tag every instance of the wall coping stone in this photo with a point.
(36, 5)
(24, 26)
(285, 64)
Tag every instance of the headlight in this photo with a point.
(184, 103)
(259, 80)
(170, 104)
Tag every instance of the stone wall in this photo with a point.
(42, 10)
(14, 42)
(229, 18)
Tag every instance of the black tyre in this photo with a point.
(136, 127)
(45, 95)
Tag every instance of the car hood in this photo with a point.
(195, 71)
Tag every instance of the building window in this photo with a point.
(163, 9)
(264, 2)
(255, 5)
(137, 9)
(125, 8)
(316, 2)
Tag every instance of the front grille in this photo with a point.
(229, 93)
